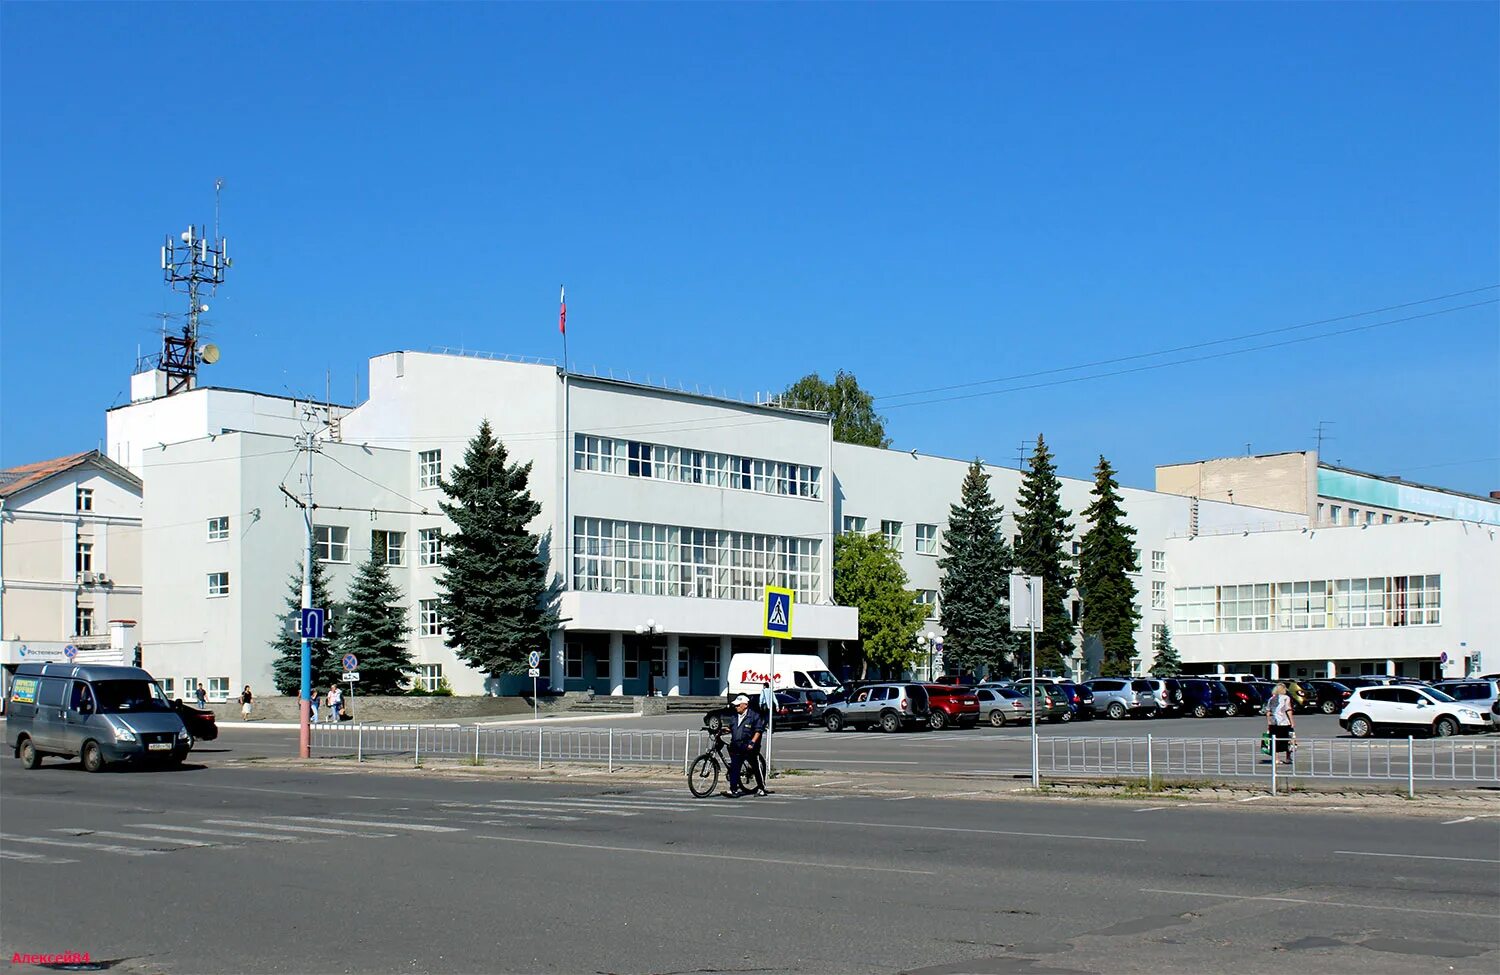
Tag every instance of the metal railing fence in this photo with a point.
(599, 746)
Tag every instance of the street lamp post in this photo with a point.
(928, 640)
(645, 631)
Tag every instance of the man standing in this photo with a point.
(202, 697)
(746, 730)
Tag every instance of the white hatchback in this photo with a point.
(1408, 708)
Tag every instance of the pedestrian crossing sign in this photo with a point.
(778, 618)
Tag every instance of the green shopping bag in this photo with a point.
(1265, 743)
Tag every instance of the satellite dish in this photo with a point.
(210, 354)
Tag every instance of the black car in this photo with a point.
(1080, 698)
(1246, 697)
(200, 724)
(798, 707)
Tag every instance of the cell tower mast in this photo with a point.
(193, 264)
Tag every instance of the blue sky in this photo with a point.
(736, 195)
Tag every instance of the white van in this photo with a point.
(750, 672)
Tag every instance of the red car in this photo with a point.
(951, 704)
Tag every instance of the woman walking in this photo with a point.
(1280, 722)
(246, 699)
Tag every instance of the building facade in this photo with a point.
(70, 561)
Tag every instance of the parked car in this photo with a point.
(1079, 697)
(1201, 698)
(1373, 709)
(1120, 697)
(889, 707)
(1168, 696)
(799, 707)
(952, 704)
(1480, 694)
(1246, 697)
(1327, 696)
(1051, 703)
(1001, 706)
(98, 714)
(200, 724)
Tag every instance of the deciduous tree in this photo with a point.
(867, 574)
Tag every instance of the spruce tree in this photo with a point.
(1167, 663)
(286, 670)
(867, 574)
(373, 628)
(493, 590)
(1044, 531)
(1107, 558)
(976, 566)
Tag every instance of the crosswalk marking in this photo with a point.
(239, 834)
(537, 805)
(296, 829)
(80, 844)
(419, 827)
(508, 819)
(138, 837)
(32, 857)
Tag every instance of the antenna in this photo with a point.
(1321, 435)
(194, 265)
(1023, 454)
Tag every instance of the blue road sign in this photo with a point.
(70, 651)
(351, 662)
(778, 618)
(312, 623)
(534, 659)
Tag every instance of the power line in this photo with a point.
(1188, 348)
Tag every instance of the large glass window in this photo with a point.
(1193, 609)
(1312, 604)
(634, 557)
(331, 543)
(637, 458)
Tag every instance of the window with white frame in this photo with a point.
(1370, 517)
(1158, 630)
(190, 688)
(430, 676)
(928, 598)
(83, 557)
(429, 622)
(670, 560)
(573, 661)
(218, 529)
(331, 543)
(168, 687)
(891, 532)
(1193, 609)
(1302, 605)
(389, 548)
(1158, 560)
(1385, 519)
(926, 539)
(1321, 512)
(1244, 609)
(83, 621)
(218, 583)
(218, 689)
(430, 546)
(429, 468)
(854, 525)
(1335, 513)
(638, 458)
(1353, 516)
(1158, 594)
(83, 499)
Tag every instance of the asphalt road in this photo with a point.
(240, 868)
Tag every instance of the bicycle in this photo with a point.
(703, 774)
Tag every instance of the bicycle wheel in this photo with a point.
(703, 776)
(750, 779)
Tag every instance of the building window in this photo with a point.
(1244, 609)
(927, 539)
(1158, 561)
(388, 548)
(668, 560)
(430, 677)
(83, 557)
(429, 468)
(331, 543)
(1158, 630)
(1353, 516)
(84, 499)
(168, 687)
(218, 689)
(83, 621)
(430, 546)
(1385, 519)
(929, 599)
(1369, 517)
(573, 661)
(854, 525)
(1158, 594)
(711, 665)
(1321, 506)
(1335, 512)
(429, 623)
(218, 529)
(1077, 548)
(1193, 609)
(637, 458)
(891, 532)
(218, 583)
(190, 688)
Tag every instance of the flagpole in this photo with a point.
(558, 669)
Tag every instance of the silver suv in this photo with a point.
(890, 707)
(1121, 697)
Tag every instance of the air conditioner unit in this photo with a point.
(102, 579)
(87, 578)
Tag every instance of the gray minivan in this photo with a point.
(97, 714)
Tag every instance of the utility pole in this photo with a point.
(307, 443)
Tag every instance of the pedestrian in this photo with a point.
(335, 703)
(746, 729)
(202, 697)
(246, 698)
(1281, 723)
(316, 699)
